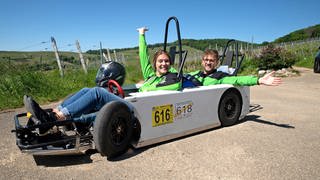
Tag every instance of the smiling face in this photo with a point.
(210, 61)
(162, 64)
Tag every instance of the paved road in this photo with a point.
(279, 140)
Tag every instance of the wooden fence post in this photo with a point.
(81, 57)
(54, 45)
(115, 56)
(101, 61)
(109, 57)
(105, 57)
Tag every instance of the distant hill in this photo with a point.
(302, 34)
(201, 45)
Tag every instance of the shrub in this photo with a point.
(288, 59)
(272, 57)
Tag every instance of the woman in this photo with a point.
(165, 76)
(87, 100)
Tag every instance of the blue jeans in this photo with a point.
(83, 105)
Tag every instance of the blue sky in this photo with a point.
(27, 25)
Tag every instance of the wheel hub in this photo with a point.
(229, 107)
(119, 129)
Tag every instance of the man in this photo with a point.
(210, 76)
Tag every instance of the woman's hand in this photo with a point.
(269, 80)
(142, 30)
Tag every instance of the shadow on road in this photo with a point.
(131, 153)
(62, 160)
(70, 160)
(255, 118)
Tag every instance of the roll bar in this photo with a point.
(173, 50)
(227, 56)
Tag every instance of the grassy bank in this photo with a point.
(44, 86)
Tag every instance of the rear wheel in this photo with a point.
(113, 129)
(230, 107)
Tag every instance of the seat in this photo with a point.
(172, 53)
(231, 60)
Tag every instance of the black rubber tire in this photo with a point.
(136, 131)
(316, 66)
(113, 129)
(230, 107)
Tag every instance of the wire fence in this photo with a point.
(45, 60)
(302, 48)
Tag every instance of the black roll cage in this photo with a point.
(173, 51)
(228, 55)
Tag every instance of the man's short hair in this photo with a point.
(212, 52)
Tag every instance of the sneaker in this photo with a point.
(37, 112)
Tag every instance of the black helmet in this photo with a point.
(110, 70)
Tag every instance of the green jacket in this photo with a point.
(223, 78)
(153, 82)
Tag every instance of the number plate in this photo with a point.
(162, 115)
(183, 109)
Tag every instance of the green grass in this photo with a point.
(45, 86)
(307, 62)
(305, 53)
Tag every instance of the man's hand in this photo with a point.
(269, 80)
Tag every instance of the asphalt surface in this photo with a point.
(280, 139)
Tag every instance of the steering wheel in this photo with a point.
(115, 88)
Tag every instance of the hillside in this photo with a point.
(199, 45)
(301, 34)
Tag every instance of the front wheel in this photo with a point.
(113, 129)
(230, 107)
